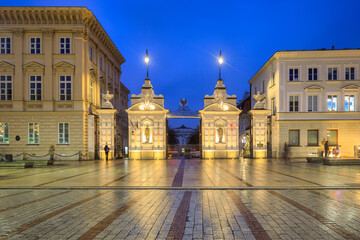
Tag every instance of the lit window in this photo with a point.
(65, 88)
(312, 74)
(332, 103)
(4, 133)
(35, 45)
(33, 133)
(293, 74)
(294, 104)
(35, 88)
(63, 133)
(349, 103)
(64, 45)
(294, 137)
(332, 73)
(312, 103)
(5, 45)
(350, 73)
(332, 137)
(313, 137)
(5, 88)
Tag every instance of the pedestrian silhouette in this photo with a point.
(106, 149)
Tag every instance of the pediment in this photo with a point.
(314, 88)
(215, 107)
(351, 87)
(63, 65)
(33, 65)
(7, 65)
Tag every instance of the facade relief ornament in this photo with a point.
(107, 97)
(47, 32)
(259, 101)
(18, 32)
(146, 99)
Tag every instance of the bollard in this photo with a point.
(80, 156)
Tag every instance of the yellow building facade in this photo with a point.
(311, 97)
(55, 64)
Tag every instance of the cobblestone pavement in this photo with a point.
(203, 199)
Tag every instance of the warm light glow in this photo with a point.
(147, 59)
(221, 60)
(226, 107)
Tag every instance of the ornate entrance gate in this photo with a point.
(147, 124)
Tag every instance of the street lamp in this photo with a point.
(147, 59)
(221, 60)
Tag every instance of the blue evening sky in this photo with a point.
(184, 38)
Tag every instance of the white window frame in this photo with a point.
(299, 75)
(65, 89)
(61, 135)
(294, 96)
(41, 95)
(32, 46)
(312, 102)
(4, 49)
(5, 133)
(29, 133)
(312, 74)
(332, 73)
(349, 67)
(6, 89)
(354, 106)
(64, 46)
(332, 102)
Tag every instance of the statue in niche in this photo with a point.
(220, 132)
(147, 134)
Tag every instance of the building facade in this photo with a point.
(312, 97)
(55, 64)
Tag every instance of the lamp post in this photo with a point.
(221, 60)
(147, 59)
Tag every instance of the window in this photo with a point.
(91, 53)
(5, 45)
(255, 90)
(312, 104)
(273, 79)
(263, 86)
(312, 73)
(332, 137)
(101, 63)
(294, 104)
(114, 76)
(63, 133)
(65, 88)
(313, 138)
(294, 137)
(293, 74)
(5, 88)
(4, 133)
(350, 73)
(332, 103)
(273, 109)
(91, 91)
(64, 45)
(332, 73)
(349, 103)
(35, 46)
(35, 88)
(33, 133)
(109, 71)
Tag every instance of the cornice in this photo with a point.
(88, 25)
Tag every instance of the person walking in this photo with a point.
(326, 148)
(106, 149)
(52, 152)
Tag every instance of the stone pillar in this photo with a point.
(18, 79)
(48, 81)
(91, 136)
(107, 126)
(259, 133)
